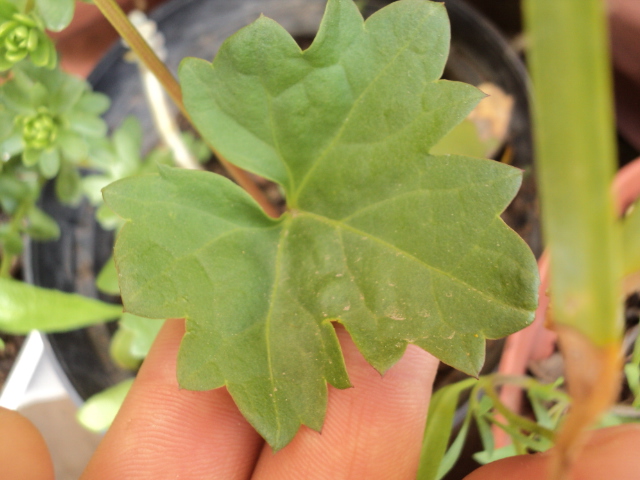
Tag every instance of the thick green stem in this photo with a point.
(119, 20)
(576, 158)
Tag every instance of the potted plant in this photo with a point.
(357, 97)
(117, 79)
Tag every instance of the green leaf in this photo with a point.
(127, 141)
(98, 412)
(68, 184)
(25, 307)
(107, 280)
(442, 409)
(73, 145)
(398, 245)
(455, 450)
(93, 102)
(120, 350)
(86, 123)
(66, 93)
(144, 332)
(41, 226)
(49, 162)
(56, 14)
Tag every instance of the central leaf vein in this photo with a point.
(357, 101)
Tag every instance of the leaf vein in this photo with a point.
(339, 225)
(356, 102)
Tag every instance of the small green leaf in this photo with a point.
(73, 145)
(49, 163)
(127, 141)
(107, 218)
(486, 434)
(31, 157)
(56, 14)
(453, 453)
(68, 184)
(25, 307)
(120, 350)
(66, 94)
(41, 226)
(12, 146)
(107, 280)
(442, 409)
(86, 124)
(93, 102)
(98, 412)
(144, 332)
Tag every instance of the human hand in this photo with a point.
(372, 431)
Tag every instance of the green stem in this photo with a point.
(14, 227)
(514, 418)
(5, 264)
(30, 5)
(119, 20)
(576, 161)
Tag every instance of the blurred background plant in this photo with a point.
(51, 130)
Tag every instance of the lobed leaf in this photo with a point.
(398, 245)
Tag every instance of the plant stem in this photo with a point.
(30, 5)
(514, 418)
(5, 264)
(6, 260)
(575, 143)
(118, 19)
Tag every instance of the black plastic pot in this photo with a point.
(197, 28)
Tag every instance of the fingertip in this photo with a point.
(23, 451)
(373, 430)
(609, 453)
(163, 431)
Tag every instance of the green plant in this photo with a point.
(49, 126)
(50, 129)
(398, 245)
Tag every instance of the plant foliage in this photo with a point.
(397, 245)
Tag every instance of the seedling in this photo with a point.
(397, 245)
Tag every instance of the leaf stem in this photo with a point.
(514, 418)
(5, 264)
(118, 19)
(14, 226)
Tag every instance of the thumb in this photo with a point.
(23, 452)
(609, 453)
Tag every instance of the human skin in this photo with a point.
(373, 430)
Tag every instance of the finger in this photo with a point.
(373, 430)
(609, 453)
(162, 431)
(23, 452)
